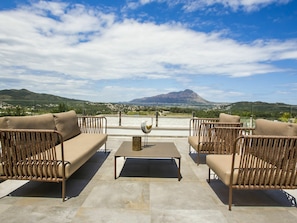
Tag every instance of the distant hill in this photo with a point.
(25, 97)
(186, 97)
(259, 106)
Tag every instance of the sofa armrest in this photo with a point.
(31, 154)
(92, 124)
(267, 161)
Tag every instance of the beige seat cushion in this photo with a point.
(67, 124)
(221, 165)
(79, 149)
(45, 121)
(267, 127)
(193, 141)
(228, 118)
(3, 123)
(203, 146)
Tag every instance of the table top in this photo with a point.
(152, 150)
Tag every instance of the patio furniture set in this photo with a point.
(51, 147)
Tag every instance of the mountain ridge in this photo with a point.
(23, 95)
(181, 97)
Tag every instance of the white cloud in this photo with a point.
(71, 46)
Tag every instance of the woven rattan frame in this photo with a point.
(30, 154)
(208, 142)
(267, 162)
(194, 125)
(223, 137)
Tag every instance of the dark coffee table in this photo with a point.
(155, 150)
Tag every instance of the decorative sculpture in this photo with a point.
(146, 129)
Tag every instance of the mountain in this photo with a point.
(23, 96)
(187, 97)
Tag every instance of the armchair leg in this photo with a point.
(197, 159)
(208, 175)
(63, 190)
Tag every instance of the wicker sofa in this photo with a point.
(265, 159)
(49, 147)
(201, 137)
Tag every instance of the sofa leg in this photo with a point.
(208, 175)
(63, 190)
(230, 197)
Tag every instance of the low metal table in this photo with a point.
(154, 150)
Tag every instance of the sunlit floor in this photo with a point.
(145, 191)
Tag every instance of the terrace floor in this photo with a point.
(146, 191)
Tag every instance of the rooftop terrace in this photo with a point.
(150, 194)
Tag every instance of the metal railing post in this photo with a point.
(120, 118)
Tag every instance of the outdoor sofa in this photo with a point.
(201, 137)
(48, 147)
(261, 158)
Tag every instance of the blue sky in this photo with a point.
(115, 51)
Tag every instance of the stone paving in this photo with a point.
(145, 191)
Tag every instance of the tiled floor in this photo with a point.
(146, 191)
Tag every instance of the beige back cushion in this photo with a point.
(45, 121)
(267, 127)
(66, 124)
(228, 118)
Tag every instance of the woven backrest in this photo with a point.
(92, 124)
(223, 138)
(195, 123)
(194, 127)
(208, 141)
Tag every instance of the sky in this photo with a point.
(120, 50)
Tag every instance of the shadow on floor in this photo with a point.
(202, 157)
(277, 198)
(154, 168)
(74, 185)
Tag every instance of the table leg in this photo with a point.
(179, 174)
(115, 167)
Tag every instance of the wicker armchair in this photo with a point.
(201, 137)
(258, 161)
